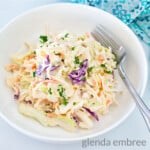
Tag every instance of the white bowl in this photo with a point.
(76, 18)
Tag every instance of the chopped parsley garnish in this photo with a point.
(74, 103)
(84, 78)
(76, 60)
(34, 74)
(64, 101)
(90, 69)
(81, 63)
(34, 52)
(72, 48)
(66, 35)
(74, 67)
(50, 91)
(61, 91)
(43, 38)
(103, 65)
(107, 71)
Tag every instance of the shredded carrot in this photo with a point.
(12, 67)
(108, 102)
(105, 74)
(99, 93)
(35, 82)
(22, 68)
(18, 79)
(51, 115)
(93, 83)
(100, 88)
(100, 58)
(62, 56)
(29, 56)
(34, 66)
(100, 84)
(54, 105)
(51, 81)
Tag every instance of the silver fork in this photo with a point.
(102, 35)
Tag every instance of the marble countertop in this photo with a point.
(132, 129)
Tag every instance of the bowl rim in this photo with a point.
(117, 123)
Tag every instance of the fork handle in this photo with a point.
(144, 110)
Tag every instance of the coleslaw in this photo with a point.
(67, 80)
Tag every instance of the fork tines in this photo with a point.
(101, 34)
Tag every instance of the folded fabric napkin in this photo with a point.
(134, 13)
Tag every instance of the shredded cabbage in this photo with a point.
(69, 75)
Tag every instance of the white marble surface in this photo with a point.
(133, 128)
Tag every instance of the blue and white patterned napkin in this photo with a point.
(135, 13)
